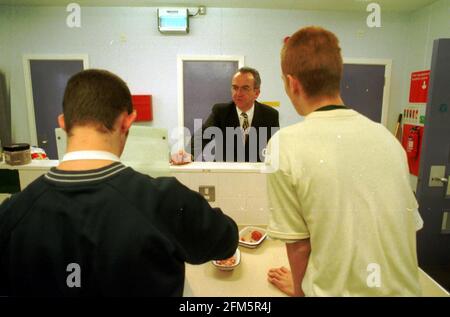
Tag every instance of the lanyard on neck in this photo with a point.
(331, 107)
(90, 155)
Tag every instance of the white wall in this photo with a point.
(5, 51)
(147, 59)
(5, 42)
(425, 26)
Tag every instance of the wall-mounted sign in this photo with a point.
(419, 86)
(143, 106)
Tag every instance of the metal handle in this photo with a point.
(44, 141)
(439, 179)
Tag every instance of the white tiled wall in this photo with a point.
(242, 196)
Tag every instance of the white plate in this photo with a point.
(250, 243)
(237, 254)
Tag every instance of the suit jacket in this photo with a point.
(230, 145)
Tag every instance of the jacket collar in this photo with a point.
(256, 115)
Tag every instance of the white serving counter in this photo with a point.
(249, 279)
(194, 167)
(34, 165)
(246, 204)
(218, 167)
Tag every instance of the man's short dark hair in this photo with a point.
(254, 72)
(95, 97)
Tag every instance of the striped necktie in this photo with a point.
(245, 126)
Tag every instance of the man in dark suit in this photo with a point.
(240, 129)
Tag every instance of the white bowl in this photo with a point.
(222, 267)
(246, 232)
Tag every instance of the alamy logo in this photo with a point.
(374, 18)
(73, 20)
(74, 278)
(374, 276)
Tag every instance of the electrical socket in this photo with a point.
(202, 10)
(208, 192)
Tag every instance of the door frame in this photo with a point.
(387, 63)
(180, 89)
(28, 85)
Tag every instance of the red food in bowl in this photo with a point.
(256, 235)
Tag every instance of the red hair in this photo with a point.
(313, 56)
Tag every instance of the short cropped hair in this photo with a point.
(95, 97)
(313, 56)
(254, 72)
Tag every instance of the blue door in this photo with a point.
(362, 88)
(48, 81)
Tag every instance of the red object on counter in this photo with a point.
(256, 235)
(143, 106)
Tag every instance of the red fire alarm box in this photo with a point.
(143, 106)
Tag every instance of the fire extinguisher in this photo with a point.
(412, 146)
